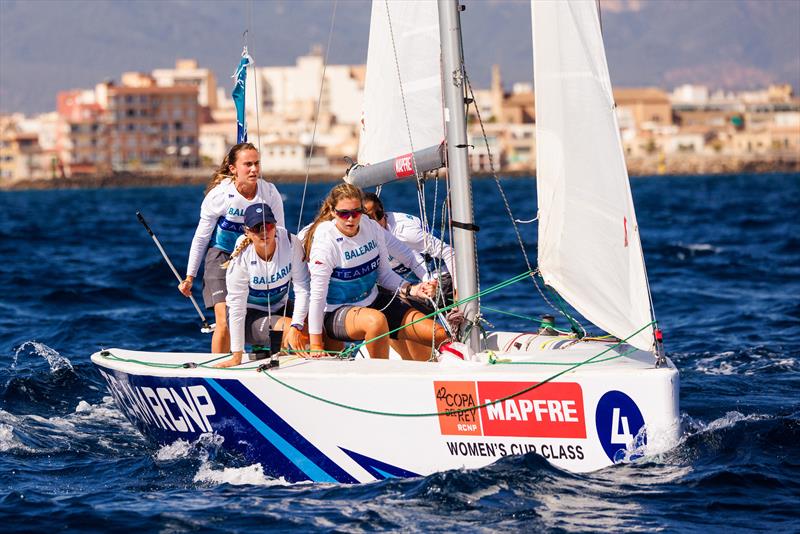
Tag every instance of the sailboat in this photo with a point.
(581, 402)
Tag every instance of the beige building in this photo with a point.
(648, 107)
(293, 92)
(152, 127)
(187, 74)
(21, 157)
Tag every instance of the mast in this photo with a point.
(466, 275)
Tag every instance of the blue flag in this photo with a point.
(238, 96)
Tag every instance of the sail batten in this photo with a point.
(589, 246)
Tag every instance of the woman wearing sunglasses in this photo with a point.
(408, 230)
(347, 259)
(236, 185)
(265, 262)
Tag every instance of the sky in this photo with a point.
(47, 45)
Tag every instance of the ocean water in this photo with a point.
(78, 273)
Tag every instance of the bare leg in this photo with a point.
(221, 338)
(420, 337)
(366, 323)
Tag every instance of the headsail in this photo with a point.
(589, 248)
(390, 116)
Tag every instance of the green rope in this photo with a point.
(460, 410)
(356, 347)
(110, 356)
(576, 326)
(525, 317)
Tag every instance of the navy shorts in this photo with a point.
(392, 307)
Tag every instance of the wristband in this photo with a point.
(407, 290)
(298, 326)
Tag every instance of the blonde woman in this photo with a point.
(236, 185)
(347, 259)
(267, 260)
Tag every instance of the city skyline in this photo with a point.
(134, 36)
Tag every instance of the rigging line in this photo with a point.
(316, 115)
(572, 366)
(420, 185)
(559, 309)
(260, 172)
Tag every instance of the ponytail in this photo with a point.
(246, 242)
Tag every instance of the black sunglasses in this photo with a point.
(349, 214)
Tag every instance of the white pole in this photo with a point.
(466, 275)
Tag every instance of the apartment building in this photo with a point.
(152, 127)
(81, 142)
(187, 73)
(21, 156)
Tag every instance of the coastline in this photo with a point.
(677, 165)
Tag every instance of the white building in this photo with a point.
(187, 73)
(292, 92)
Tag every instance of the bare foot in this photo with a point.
(230, 362)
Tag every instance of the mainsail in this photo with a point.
(403, 109)
(589, 248)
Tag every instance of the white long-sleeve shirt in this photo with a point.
(345, 270)
(264, 285)
(223, 210)
(403, 260)
(408, 230)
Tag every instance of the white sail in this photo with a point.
(589, 247)
(386, 122)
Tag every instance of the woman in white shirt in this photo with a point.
(236, 185)
(347, 258)
(266, 261)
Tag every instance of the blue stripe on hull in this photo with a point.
(288, 434)
(248, 426)
(378, 469)
(308, 467)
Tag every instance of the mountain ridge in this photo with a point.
(48, 46)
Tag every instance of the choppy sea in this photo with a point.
(78, 273)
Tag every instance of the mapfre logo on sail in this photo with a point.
(552, 410)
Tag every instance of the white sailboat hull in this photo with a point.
(363, 420)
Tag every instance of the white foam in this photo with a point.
(730, 419)
(55, 360)
(252, 475)
(8, 441)
(184, 449)
(728, 363)
(178, 449)
(703, 247)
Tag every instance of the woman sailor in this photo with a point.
(265, 262)
(347, 258)
(409, 231)
(236, 185)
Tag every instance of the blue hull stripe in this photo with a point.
(378, 469)
(312, 470)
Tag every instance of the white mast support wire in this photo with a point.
(260, 173)
(420, 187)
(458, 170)
(316, 116)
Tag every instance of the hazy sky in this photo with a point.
(48, 45)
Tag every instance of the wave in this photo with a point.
(759, 360)
(98, 430)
